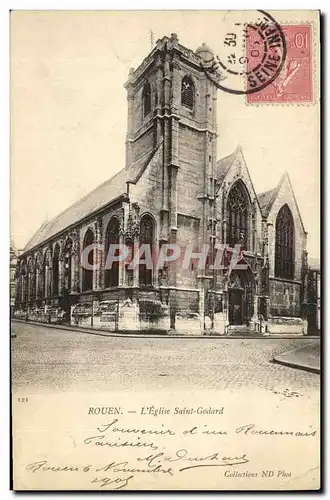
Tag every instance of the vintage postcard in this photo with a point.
(165, 229)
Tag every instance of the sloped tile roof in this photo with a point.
(223, 166)
(96, 199)
(266, 200)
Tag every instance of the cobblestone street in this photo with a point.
(49, 359)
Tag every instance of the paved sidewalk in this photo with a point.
(304, 358)
(162, 334)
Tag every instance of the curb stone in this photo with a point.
(281, 359)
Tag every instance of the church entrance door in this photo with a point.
(236, 307)
(240, 297)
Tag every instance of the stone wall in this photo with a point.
(284, 298)
(279, 325)
(188, 234)
(148, 190)
(190, 179)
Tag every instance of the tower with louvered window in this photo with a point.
(172, 105)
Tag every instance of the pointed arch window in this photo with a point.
(146, 97)
(38, 285)
(284, 244)
(30, 280)
(187, 92)
(87, 274)
(23, 282)
(238, 209)
(34, 284)
(68, 265)
(56, 270)
(46, 274)
(146, 238)
(111, 277)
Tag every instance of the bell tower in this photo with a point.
(171, 100)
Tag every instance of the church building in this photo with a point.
(173, 190)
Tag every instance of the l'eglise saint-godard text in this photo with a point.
(199, 410)
(156, 410)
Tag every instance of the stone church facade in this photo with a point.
(172, 190)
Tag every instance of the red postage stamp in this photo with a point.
(294, 84)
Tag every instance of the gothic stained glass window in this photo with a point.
(146, 97)
(87, 281)
(111, 276)
(146, 238)
(187, 92)
(46, 275)
(68, 265)
(284, 244)
(30, 280)
(34, 285)
(38, 285)
(23, 282)
(237, 216)
(56, 272)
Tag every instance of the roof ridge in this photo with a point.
(42, 226)
(148, 157)
(47, 227)
(79, 209)
(92, 191)
(272, 194)
(228, 156)
(266, 192)
(146, 154)
(84, 197)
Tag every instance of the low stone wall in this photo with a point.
(106, 321)
(190, 325)
(128, 316)
(54, 315)
(286, 325)
(152, 316)
(84, 321)
(220, 323)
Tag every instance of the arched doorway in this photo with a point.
(240, 297)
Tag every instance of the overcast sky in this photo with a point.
(68, 112)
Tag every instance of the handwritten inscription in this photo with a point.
(212, 460)
(148, 455)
